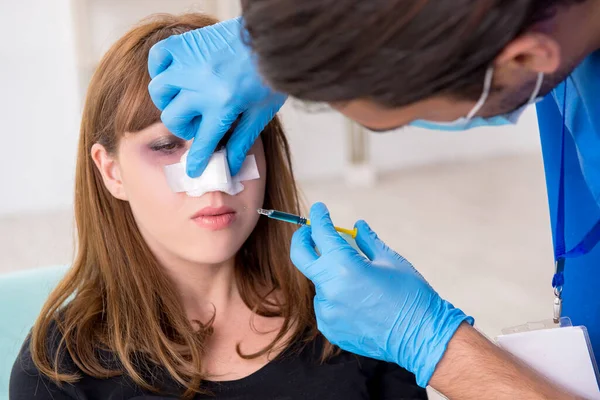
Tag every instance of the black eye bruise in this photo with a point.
(167, 145)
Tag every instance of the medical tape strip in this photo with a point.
(216, 176)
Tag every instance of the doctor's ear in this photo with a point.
(533, 51)
(110, 170)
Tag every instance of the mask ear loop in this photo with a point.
(487, 86)
(538, 87)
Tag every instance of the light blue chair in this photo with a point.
(22, 295)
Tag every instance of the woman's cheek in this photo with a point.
(253, 194)
(146, 184)
(251, 199)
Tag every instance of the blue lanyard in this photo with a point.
(589, 241)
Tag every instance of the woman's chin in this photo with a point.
(213, 255)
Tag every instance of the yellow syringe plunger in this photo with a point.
(350, 232)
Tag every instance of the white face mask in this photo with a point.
(470, 121)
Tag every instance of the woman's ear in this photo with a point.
(533, 51)
(110, 170)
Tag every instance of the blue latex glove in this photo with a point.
(377, 306)
(202, 81)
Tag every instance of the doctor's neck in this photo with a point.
(576, 28)
(596, 17)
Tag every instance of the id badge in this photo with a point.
(558, 351)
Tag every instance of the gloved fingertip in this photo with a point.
(305, 231)
(235, 162)
(302, 235)
(364, 229)
(361, 224)
(159, 59)
(192, 172)
(318, 210)
(321, 218)
(241, 141)
(302, 251)
(199, 156)
(235, 169)
(195, 167)
(367, 240)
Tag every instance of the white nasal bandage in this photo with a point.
(215, 178)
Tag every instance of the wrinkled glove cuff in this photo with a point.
(439, 344)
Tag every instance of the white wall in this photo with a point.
(318, 142)
(413, 146)
(40, 83)
(111, 18)
(42, 76)
(38, 105)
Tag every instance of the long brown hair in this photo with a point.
(116, 295)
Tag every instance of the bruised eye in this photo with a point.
(167, 145)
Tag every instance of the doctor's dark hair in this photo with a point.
(116, 297)
(394, 52)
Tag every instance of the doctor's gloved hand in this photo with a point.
(377, 306)
(202, 81)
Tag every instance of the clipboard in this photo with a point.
(563, 355)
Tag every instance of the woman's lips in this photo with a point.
(215, 218)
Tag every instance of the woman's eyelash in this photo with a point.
(167, 146)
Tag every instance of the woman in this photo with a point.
(179, 296)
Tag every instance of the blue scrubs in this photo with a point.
(581, 295)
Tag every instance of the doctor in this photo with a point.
(444, 64)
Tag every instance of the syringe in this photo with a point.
(296, 219)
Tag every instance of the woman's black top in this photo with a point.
(292, 375)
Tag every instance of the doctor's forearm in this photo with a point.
(475, 368)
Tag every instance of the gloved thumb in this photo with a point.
(368, 241)
(303, 253)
